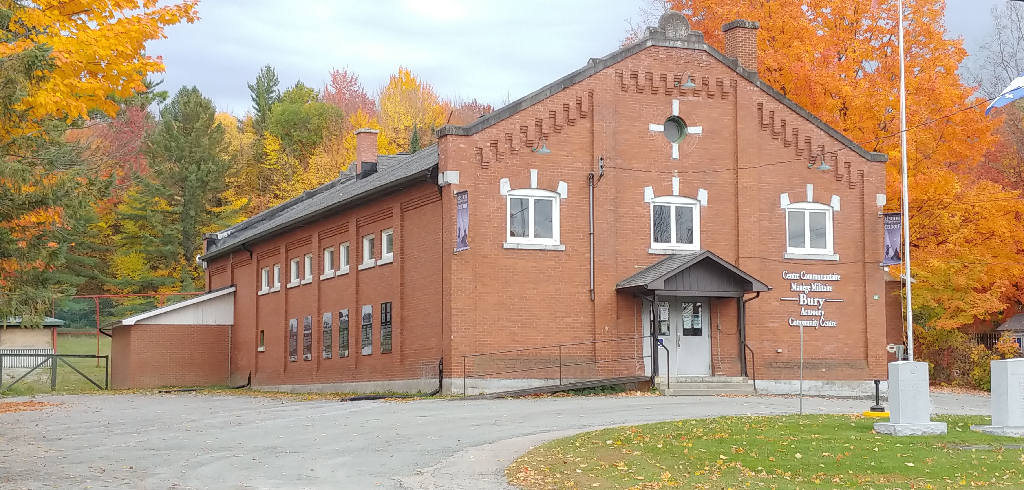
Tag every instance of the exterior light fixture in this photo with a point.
(823, 165)
(543, 150)
(690, 84)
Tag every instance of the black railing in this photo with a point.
(752, 364)
(560, 364)
(51, 361)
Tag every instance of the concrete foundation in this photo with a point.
(839, 389)
(918, 429)
(999, 430)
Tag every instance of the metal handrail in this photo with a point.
(465, 357)
(752, 365)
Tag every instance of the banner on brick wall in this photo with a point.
(893, 255)
(461, 220)
(293, 339)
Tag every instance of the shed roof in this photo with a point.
(15, 321)
(393, 171)
(197, 299)
(1015, 324)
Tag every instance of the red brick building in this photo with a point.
(664, 179)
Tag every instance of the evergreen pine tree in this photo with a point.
(264, 93)
(181, 199)
(414, 139)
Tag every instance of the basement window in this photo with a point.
(263, 345)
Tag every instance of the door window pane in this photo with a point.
(519, 217)
(543, 218)
(661, 224)
(796, 229)
(684, 225)
(817, 221)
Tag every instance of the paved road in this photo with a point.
(188, 441)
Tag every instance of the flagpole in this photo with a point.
(906, 193)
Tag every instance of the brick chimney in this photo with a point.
(741, 42)
(366, 151)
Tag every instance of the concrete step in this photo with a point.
(708, 386)
(706, 379)
(707, 392)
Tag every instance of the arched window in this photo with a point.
(532, 217)
(809, 229)
(675, 223)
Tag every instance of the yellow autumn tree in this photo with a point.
(840, 61)
(97, 48)
(406, 106)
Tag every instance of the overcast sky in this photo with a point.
(492, 50)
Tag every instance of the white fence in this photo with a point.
(24, 362)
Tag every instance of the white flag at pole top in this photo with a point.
(1012, 93)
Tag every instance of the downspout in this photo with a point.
(440, 361)
(590, 184)
(743, 332)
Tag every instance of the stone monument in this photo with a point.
(909, 404)
(1007, 399)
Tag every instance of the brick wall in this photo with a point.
(153, 356)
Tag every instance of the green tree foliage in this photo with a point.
(264, 93)
(300, 120)
(181, 198)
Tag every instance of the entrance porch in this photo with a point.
(687, 346)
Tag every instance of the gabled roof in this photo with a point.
(216, 293)
(393, 171)
(654, 276)
(694, 40)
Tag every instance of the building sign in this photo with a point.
(892, 255)
(811, 289)
(461, 220)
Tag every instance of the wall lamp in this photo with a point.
(823, 165)
(543, 149)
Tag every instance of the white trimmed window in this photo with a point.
(296, 272)
(532, 219)
(277, 278)
(809, 229)
(328, 263)
(675, 224)
(342, 259)
(308, 263)
(387, 246)
(368, 259)
(265, 280)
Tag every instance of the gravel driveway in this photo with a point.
(188, 441)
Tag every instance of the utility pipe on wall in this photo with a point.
(590, 184)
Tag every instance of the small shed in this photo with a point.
(182, 344)
(15, 339)
(1015, 326)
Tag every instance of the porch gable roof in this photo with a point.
(699, 273)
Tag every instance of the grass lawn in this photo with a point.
(68, 381)
(786, 452)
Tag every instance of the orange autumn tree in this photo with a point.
(840, 61)
(59, 60)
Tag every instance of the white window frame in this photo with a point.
(368, 251)
(827, 253)
(553, 243)
(295, 270)
(673, 202)
(328, 264)
(277, 278)
(343, 259)
(264, 280)
(308, 269)
(387, 256)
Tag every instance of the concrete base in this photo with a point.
(838, 389)
(997, 430)
(398, 386)
(920, 429)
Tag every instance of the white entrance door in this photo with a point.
(692, 356)
(682, 326)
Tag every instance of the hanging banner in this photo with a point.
(461, 220)
(893, 229)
